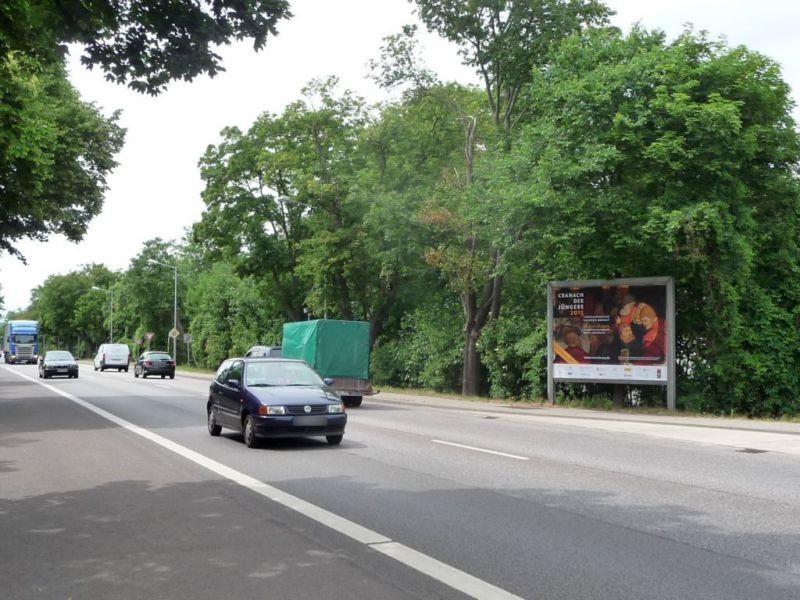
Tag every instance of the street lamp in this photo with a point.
(111, 318)
(175, 304)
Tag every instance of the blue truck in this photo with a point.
(21, 342)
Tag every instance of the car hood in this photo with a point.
(293, 395)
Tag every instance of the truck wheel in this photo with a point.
(351, 401)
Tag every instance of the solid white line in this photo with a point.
(456, 579)
(514, 456)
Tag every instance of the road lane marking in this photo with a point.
(495, 452)
(427, 565)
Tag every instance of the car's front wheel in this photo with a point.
(334, 440)
(213, 428)
(249, 432)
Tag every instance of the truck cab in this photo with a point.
(21, 342)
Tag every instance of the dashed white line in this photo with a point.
(484, 450)
(444, 573)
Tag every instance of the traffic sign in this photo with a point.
(149, 336)
(174, 333)
(187, 338)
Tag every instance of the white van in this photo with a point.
(112, 356)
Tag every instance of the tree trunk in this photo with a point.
(471, 374)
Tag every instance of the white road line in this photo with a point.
(450, 576)
(514, 456)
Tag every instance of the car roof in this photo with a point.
(251, 359)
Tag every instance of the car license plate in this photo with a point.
(61, 370)
(312, 421)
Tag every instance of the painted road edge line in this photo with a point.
(427, 565)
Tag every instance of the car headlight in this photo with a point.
(276, 410)
(335, 409)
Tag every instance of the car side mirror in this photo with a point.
(234, 383)
(328, 381)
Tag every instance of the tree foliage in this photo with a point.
(144, 43)
(636, 157)
(55, 150)
(55, 154)
(650, 158)
(506, 40)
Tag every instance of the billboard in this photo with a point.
(616, 331)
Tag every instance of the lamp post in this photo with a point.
(111, 317)
(174, 306)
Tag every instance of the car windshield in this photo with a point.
(58, 355)
(270, 373)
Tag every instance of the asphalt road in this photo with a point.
(110, 487)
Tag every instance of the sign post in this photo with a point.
(187, 339)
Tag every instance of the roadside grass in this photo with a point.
(200, 370)
(592, 402)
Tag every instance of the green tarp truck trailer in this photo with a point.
(335, 349)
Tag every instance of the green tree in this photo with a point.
(144, 43)
(279, 204)
(504, 41)
(229, 314)
(70, 313)
(146, 294)
(55, 153)
(655, 158)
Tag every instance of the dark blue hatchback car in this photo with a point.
(273, 398)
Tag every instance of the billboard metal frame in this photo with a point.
(670, 381)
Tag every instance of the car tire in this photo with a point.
(249, 432)
(162, 377)
(172, 376)
(144, 374)
(126, 369)
(213, 428)
(76, 376)
(334, 440)
(40, 374)
(95, 367)
(136, 373)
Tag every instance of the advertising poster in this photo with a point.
(613, 331)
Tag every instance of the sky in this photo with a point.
(155, 190)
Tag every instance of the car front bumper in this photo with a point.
(299, 426)
(66, 371)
